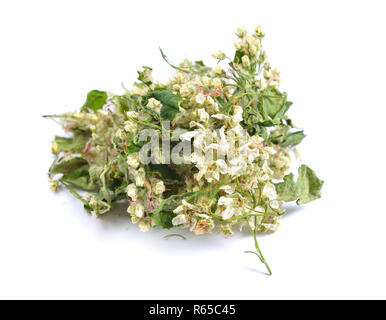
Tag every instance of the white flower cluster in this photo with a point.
(199, 151)
(224, 154)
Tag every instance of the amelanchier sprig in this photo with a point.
(210, 149)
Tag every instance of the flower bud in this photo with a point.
(241, 32)
(132, 160)
(218, 70)
(54, 147)
(54, 185)
(238, 44)
(259, 32)
(218, 55)
(159, 187)
(139, 210)
(245, 61)
(132, 191)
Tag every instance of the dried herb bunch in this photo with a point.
(211, 148)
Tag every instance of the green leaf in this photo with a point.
(104, 191)
(170, 103)
(307, 187)
(165, 171)
(95, 173)
(238, 55)
(225, 106)
(280, 115)
(164, 219)
(279, 134)
(293, 139)
(283, 137)
(286, 190)
(122, 104)
(163, 214)
(145, 75)
(273, 105)
(261, 131)
(79, 178)
(131, 147)
(95, 100)
(75, 144)
(67, 164)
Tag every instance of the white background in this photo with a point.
(332, 58)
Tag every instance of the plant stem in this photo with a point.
(259, 254)
(76, 194)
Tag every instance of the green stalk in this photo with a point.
(259, 253)
(72, 190)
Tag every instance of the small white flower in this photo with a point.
(204, 116)
(269, 191)
(259, 31)
(224, 201)
(119, 134)
(130, 127)
(245, 61)
(139, 210)
(256, 140)
(218, 55)
(187, 204)
(155, 104)
(144, 226)
(132, 115)
(241, 32)
(185, 90)
(270, 150)
(228, 189)
(132, 160)
(103, 113)
(54, 147)
(194, 124)
(237, 114)
(139, 181)
(187, 136)
(178, 220)
(200, 98)
(221, 164)
(220, 116)
(275, 204)
(176, 87)
(135, 219)
(203, 215)
(253, 50)
(132, 191)
(180, 77)
(256, 42)
(217, 82)
(184, 206)
(206, 81)
(179, 209)
(53, 185)
(159, 187)
(268, 73)
(248, 40)
(210, 100)
(238, 44)
(218, 70)
(228, 213)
